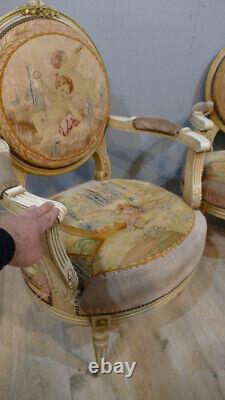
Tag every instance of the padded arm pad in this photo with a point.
(7, 177)
(155, 124)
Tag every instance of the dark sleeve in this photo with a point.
(7, 248)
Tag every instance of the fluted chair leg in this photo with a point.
(100, 336)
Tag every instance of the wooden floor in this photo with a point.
(179, 349)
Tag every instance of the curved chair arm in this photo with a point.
(14, 196)
(197, 146)
(16, 199)
(161, 127)
(204, 107)
(198, 118)
(192, 178)
(200, 122)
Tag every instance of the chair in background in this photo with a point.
(120, 247)
(208, 118)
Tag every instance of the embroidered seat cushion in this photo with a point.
(130, 242)
(214, 178)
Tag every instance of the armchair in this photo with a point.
(208, 118)
(120, 247)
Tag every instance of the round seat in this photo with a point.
(130, 242)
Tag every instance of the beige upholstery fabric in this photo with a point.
(211, 157)
(130, 242)
(214, 192)
(60, 90)
(155, 124)
(132, 288)
(118, 224)
(213, 188)
(7, 177)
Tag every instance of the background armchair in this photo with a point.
(121, 246)
(208, 119)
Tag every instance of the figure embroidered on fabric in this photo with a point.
(57, 102)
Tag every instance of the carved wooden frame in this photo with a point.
(208, 129)
(64, 280)
(63, 277)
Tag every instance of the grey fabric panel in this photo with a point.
(138, 286)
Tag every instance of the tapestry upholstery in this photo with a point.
(213, 188)
(127, 214)
(55, 107)
(145, 283)
(121, 230)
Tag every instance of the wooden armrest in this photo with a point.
(18, 199)
(204, 107)
(186, 136)
(198, 118)
(14, 196)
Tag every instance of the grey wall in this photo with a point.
(157, 53)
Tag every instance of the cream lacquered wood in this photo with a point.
(64, 281)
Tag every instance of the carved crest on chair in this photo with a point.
(38, 7)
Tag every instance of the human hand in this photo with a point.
(26, 231)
